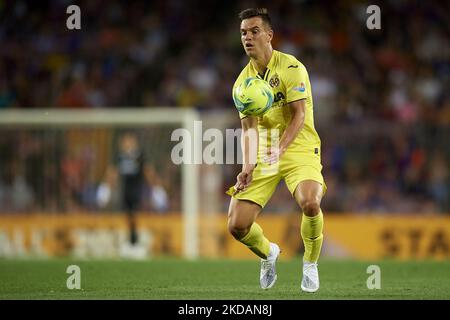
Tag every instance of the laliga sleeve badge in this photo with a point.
(300, 88)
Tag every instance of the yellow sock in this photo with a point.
(311, 231)
(256, 241)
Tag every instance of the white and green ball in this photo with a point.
(253, 97)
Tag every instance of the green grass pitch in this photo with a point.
(175, 279)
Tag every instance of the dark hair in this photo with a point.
(256, 12)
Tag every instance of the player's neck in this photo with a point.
(260, 63)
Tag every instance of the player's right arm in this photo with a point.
(249, 145)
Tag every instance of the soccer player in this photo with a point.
(295, 158)
(129, 165)
(133, 169)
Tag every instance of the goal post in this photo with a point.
(125, 118)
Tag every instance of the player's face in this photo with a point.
(255, 36)
(129, 143)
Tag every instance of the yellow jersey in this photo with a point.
(290, 82)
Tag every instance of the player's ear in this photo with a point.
(270, 34)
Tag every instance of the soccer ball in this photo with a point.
(253, 97)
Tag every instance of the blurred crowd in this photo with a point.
(381, 98)
(77, 170)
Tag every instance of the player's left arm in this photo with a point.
(296, 80)
(295, 125)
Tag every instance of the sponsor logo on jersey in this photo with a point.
(279, 96)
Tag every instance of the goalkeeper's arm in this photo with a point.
(104, 189)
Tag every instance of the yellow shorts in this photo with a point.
(293, 167)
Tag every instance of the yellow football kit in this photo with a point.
(301, 161)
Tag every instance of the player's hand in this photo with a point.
(273, 156)
(243, 180)
(103, 194)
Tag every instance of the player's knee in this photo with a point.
(310, 208)
(237, 230)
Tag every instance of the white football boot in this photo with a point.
(268, 275)
(310, 281)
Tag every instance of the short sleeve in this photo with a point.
(296, 82)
